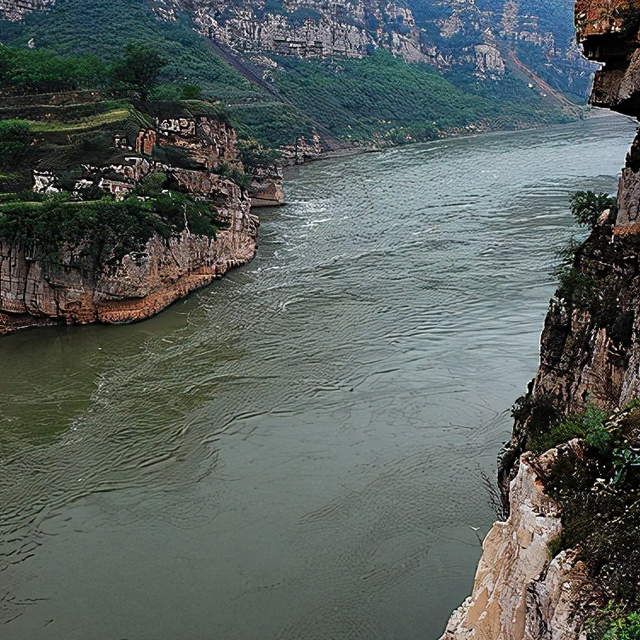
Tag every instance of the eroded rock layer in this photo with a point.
(141, 283)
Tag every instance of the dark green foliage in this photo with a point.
(152, 185)
(139, 68)
(14, 182)
(254, 155)
(588, 425)
(538, 411)
(627, 628)
(273, 123)
(576, 287)
(191, 91)
(15, 141)
(616, 621)
(555, 546)
(100, 232)
(233, 173)
(25, 70)
(588, 206)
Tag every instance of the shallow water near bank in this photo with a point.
(295, 451)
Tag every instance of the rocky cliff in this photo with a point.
(519, 591)
(589, 363)
(193, 152)
(479, 38)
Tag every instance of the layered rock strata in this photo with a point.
(165, 269)
(15, 9)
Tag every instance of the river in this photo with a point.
(295, 452)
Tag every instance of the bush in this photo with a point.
(254, 155)
(588, 206)
(627, 628)
(15, 140)
(41, 71)
(598, 490)
(587, 424)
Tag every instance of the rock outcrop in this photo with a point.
(519, 592)
(590, 353)
(141, 283)
(15, 9)
(137, 287)
(312, 28)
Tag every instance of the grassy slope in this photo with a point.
(381, 95)
(378, 97)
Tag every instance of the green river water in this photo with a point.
(294, 453)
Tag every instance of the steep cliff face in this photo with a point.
(312, 28)
(589, 356)
(117, 288)
(15, 9)
(518, 591)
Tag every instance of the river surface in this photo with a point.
(295, 452)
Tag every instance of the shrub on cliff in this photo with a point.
(588, 206)
(627, 628)
(15, 141)
(139, 68)
(597, 487)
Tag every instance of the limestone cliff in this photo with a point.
(483, 39)
(519, 592)
(590, 355)
(194, 152)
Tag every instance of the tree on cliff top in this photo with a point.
(139, 68)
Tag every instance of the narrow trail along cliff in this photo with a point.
(564, 562)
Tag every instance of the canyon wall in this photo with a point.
(138, 285)
(15, 9)
(484, 39)
(589, 353)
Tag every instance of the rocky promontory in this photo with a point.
(158, 206)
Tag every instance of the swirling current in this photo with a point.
(295, 452)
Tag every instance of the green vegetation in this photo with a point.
(587, 425)
(15, 140)
(139, 68)
(576, 284)
(379, 98)
(588, 206)
(382, 97)
(624, 627)
(103, 28)
(25, 70)
(255, 156)
(101, 232)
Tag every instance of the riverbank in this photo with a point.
(280, 444)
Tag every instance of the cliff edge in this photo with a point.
(565, 563)
(121, 219)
